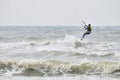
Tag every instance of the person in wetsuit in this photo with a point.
(88, 28)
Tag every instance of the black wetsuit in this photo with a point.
(88, 28)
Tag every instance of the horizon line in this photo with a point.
(50, 25)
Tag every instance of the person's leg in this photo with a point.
(85, 34)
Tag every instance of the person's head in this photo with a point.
(89, 25)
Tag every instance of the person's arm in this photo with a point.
(85, 26)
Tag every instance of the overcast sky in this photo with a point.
(59, 12)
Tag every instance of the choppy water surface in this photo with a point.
(57, 53)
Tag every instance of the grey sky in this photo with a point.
(59, 12)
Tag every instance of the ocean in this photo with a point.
(57, 53)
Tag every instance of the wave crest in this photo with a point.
(54, 67)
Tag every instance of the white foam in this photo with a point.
(80, 77)
(85, 61)
(69, 43)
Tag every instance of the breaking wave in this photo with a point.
(55, 67)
